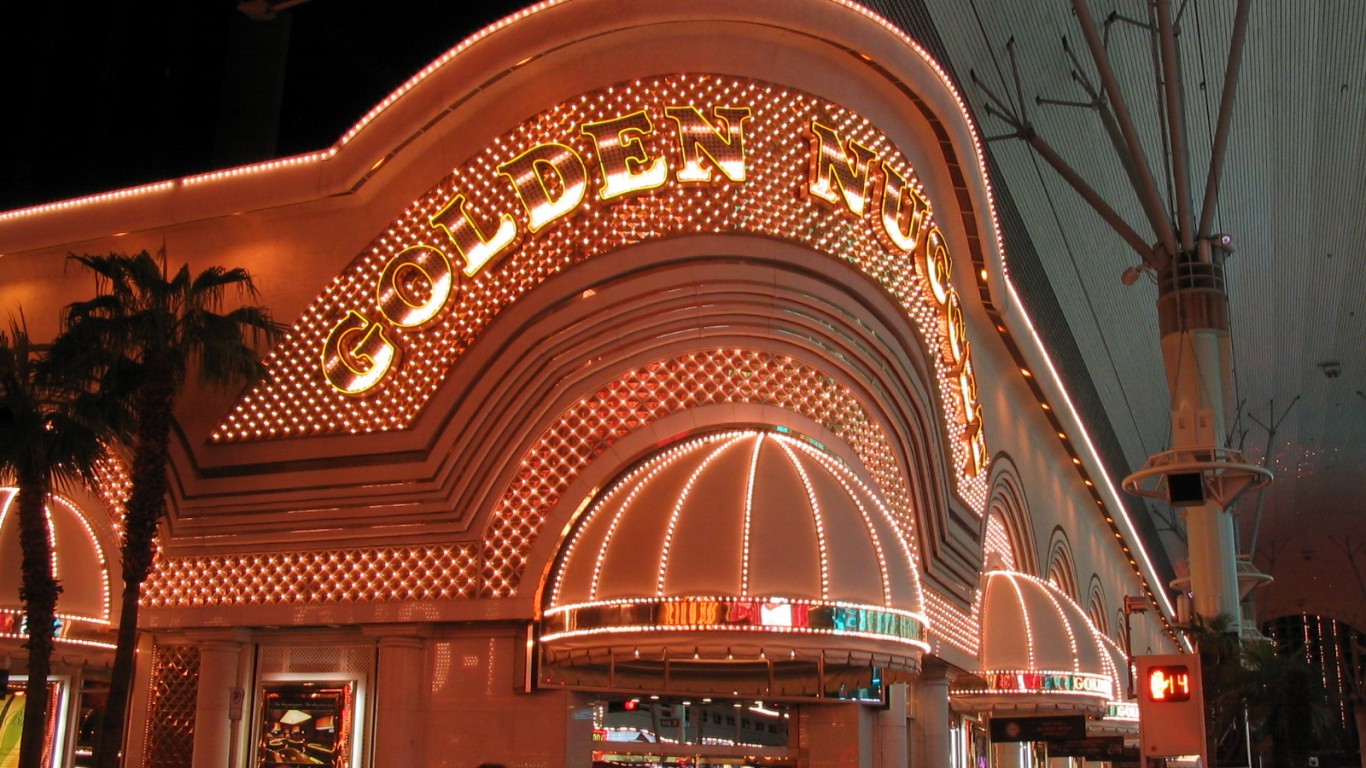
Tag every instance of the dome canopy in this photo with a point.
(1040, 651)
(78, 560)
(1121, 714)
(738, 546)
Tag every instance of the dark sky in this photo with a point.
(99, 96)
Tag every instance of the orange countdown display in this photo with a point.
(1168, 683)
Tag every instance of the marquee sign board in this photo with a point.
(1091, 748)
(1059, 728)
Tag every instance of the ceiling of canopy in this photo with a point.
(1291, 200)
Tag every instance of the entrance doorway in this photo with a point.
(676, 732)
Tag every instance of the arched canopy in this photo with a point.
(80, 564)
(754, 551)
(1040, 652)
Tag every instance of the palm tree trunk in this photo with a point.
(109, 741)
(39, 594)
(146, 504)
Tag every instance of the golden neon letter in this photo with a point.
(698, 138)
(904, 211)
(840, 171)
(550, 181)
(625, 165)
(414, 286)
(967, 387)
(356, 355)
(469, 241)
(938, 267)
(957, 331)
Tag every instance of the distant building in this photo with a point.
(1339, 650)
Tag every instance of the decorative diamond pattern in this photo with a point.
(654, 391)
(321, 576)
(774, 201)
(170, 715)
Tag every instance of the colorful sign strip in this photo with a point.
(765, 614)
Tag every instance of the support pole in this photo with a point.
(1193, 319)
(214, 727)
(1176, 123)
(1148, 195)
(1216, 163)
(932, 713)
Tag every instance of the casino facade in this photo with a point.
(655, 393)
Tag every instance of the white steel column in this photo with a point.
(1193, 313)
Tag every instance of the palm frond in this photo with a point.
(53, 422)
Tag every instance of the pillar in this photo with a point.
(932, 714)
(891, 729)
(1011, 754)
(220, 656)
(836, 736)
(1192, 311)
(139, 701)
(400, 702)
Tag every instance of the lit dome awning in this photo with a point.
(749, 556)
(1121, 712)
(79, 564)
(1040, 652)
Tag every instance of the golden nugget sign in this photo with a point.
(1048, 682)
(551, 181)
(663, 157)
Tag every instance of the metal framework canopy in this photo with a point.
(1190, 477)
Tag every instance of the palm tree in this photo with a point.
(53, 425)
(1222, 678)
(1288, 706)
(161, 327)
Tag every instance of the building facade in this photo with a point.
(656, 392)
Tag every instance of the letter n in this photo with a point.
(841, 172)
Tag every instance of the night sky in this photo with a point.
(100, 96)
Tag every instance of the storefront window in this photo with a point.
(310, 705)
(692, 733)
(89, 716)
(305, 724)
(12, 717)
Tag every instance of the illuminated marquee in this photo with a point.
(1121, 710)
(656, 158)
(734, 615)
(1044, 683)
(550, 181)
